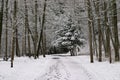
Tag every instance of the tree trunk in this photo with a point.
(116, 38)
(17, 44)
(27, 26)
(6, 41)
(44, 44)
(107, 32)
(42, 29)
(99, 30)
(29, 46)
(1, 21)
(14, 30)
(90, 30)
(25, 34)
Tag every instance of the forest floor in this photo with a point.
(59, 67)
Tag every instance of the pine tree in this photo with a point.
(70, 36)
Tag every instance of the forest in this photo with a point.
(40, 27)
(59, 39)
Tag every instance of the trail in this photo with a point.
(55, 72)
(66, 69)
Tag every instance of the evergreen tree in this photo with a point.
(70, 36)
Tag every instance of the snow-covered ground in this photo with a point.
(59, 67)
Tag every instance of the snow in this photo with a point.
(24, 69)
(68, 33)
(64, 38)
(59, 67)
(66, 43)
(72, 38)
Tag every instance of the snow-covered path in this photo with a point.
(79, 68)
(59, 67)
(77, 71)
(56, 71)
(66, 68)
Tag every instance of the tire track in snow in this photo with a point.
(56, 72)
(90, 75)
(80, 69)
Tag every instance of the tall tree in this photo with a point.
(90, 30)
(14, 30)
(107, 32)
(115, 30)
(1, 21)
(42, 29)
(27, 26)
(99, 29)
(6, 42)
(35, 29)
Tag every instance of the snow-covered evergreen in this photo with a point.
(69, 37)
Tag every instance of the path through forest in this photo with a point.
(66, 68)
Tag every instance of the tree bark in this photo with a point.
(35, 32)
(17, 44)
(6, 32)
(116, 38)
(90, 30)
(99, 30)
(1, 22)
(107, 32)
(14, 30)
(42, 29)
(27, 26)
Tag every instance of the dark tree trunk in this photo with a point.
(116, 38)
(90, 30)
(107, 32)
(6, 41)
(1, 21)
(99, 30)
(17, 44)
(14, 30)
(42, 29)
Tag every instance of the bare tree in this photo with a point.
(90, 30)
(27, 26)
(115, 30)
(13, 31)
(1, 21)
(6, 41)
(42, 30)
(107, 33)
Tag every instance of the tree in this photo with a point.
(35, 30)
(107, 33)
(6, 42)
(99, 29)
(14, 30)
(27, 28)
(115, 30)
(16, 40)
(69, 37)
(90, 30)
(40, 41)
(1, 21)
